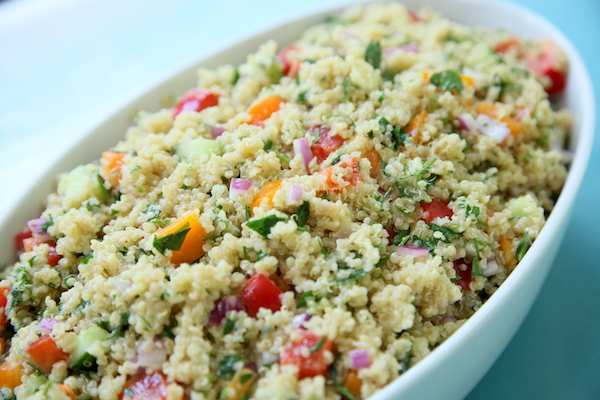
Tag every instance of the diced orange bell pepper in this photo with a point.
(353, 176)
(240, 384)
(44, 353)
(467, 80)
(353, 383)
(111, 164)
(374, 159)
(489, 109)
(507, 44)
(10, 375)
(267, 192)
(67, 389)
(191, 247)
(263, 109)
(415, 126)
(506, 245)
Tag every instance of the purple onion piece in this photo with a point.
(294, 195)
(48, 323)
(302, 147)
(251, 366)
(222, 306)
(359, 358)
(299, 320)
(412, 251)
(37, 230)
(216, 131)
(238, 188)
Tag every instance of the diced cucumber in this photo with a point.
(80, 184)
(83, 360)
(478, 55)
(195, 149)
(522, 206)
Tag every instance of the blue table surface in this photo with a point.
(66, 64)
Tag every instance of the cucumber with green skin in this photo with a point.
(82, 359)
(83, 183)
(195, 149)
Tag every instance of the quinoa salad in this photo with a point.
(306, 225)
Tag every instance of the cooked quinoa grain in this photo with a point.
(308, 224)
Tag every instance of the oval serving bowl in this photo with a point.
(454, 368)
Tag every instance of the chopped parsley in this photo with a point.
(448, 233)
(447, 80)
(354, 276)
(303, 300)
(302, 214)
(229, 326)
(264, 225)
(399, 135)
(227, 366)
(522, 247)
(301, 97)
(475, 267)
(318, 346)
(401, 237)
(373, 54)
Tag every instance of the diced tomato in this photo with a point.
(507, 44)
(545, 62)
(19, 237)
(261, 292)
(436, 209)
(144, 386)
(353, 176)
(463, 273)
(10, 375)
(290, 65)
(263, 109)
(326, 144)
(111, 164)
(267, 192)
(313, 345)
(3, 301)
(44, 353)
(196, 100)
(53, 258)
(414, 17)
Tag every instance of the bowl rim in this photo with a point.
(558, 217)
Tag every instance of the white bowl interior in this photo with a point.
(458, 363)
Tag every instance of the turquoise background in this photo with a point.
(65, 65)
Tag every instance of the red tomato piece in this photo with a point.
(414, 17)
(436, 209)
(326, 144)
(290, 65)
(53, 258)
(545, 62)
(196, 100)
(261, 292)
(44, 353)
(3, 301)
(308, 354)
(353, 177)
(144, 386)
(463, 273)
(19, 237)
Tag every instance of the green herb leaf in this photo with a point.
(448, 233)
(172, 241)
(245, 378)
(318, 346)
(301, 97)
(303, 300)
(373, 54)
(447, 80)
(401, 237)
(383, 260)
(227, 366)
(229, 326)
(302, 214)
(475, 267)
(354, 276)
(264, 225)
(522, 247)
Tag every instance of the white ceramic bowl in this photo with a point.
(454, 368)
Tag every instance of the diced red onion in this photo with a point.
(216, 131)
(349, 35)
(467, 122)
(299, 320)
(222, 306)
(412, 251)
(407, 48)
(251, 366)
(153, 355)
(302, 147)
(359, 358)
(268, 358)
(521, 112)
(447, 319)
(294, 195)
(492, 128)
(35, 226)
(491, 267)
(48, 323)
(238, 188)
